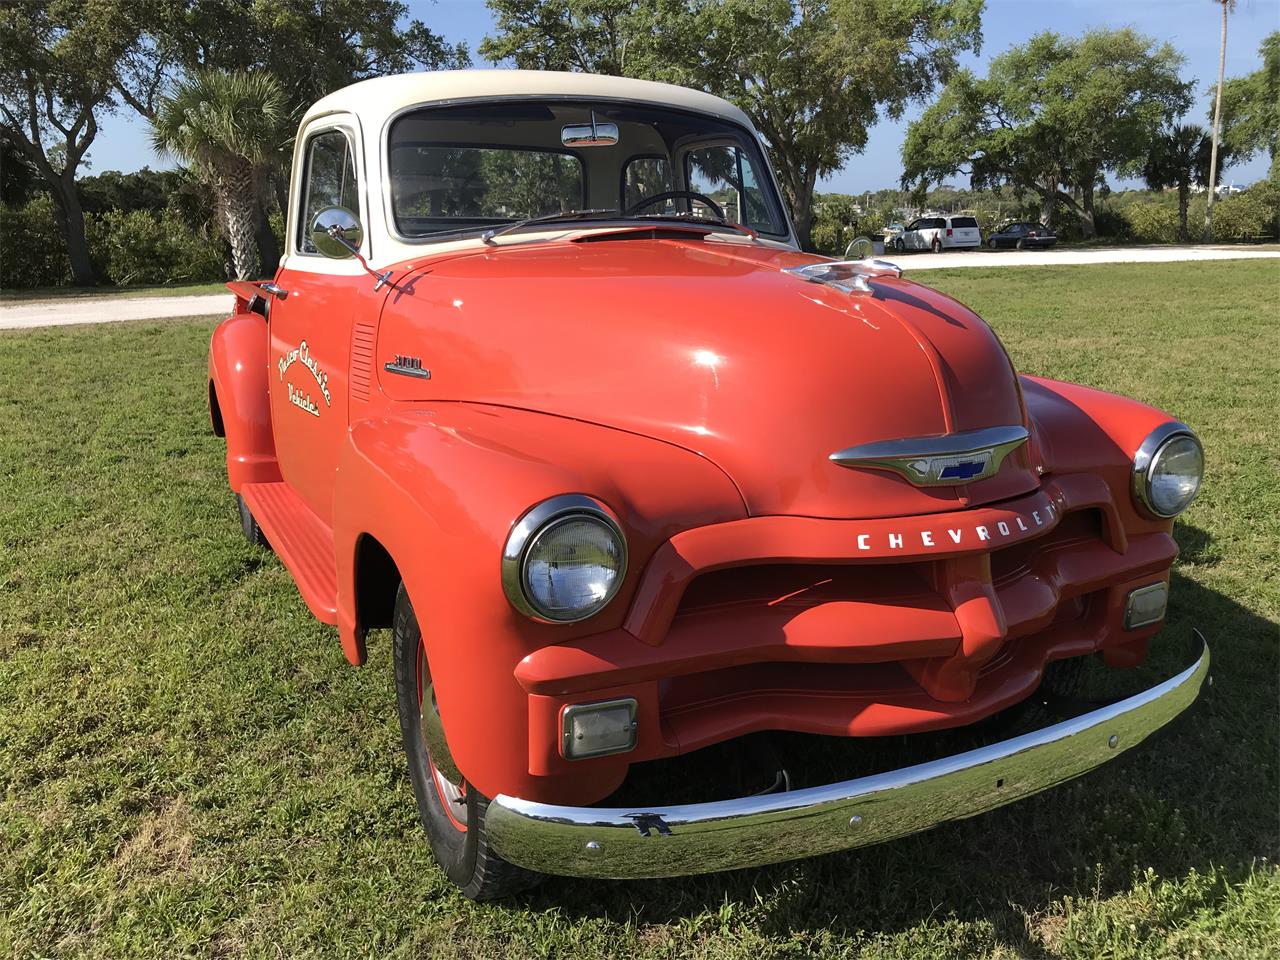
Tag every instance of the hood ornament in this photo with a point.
(949, 460)
(850, 276)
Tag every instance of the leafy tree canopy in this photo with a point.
(309, 47)
(312, 47)
(813, 75)
(59, 62)
(144, 189)
(1251, 108)
(18, 175)
(1055, 111)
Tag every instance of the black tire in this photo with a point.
(937, 245)
(900, 245)
(458, 838)
(1020, 245)
(992, 244)
(252, 532)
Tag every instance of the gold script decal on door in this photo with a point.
(300, 398)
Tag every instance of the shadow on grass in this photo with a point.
(1166, 805)
(1195, 545)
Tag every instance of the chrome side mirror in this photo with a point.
(336, 233)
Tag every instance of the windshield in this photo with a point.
(476, 166)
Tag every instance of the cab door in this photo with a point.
(310, 320)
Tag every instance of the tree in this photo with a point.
(231, 126)
(1251, 109)
(59, 62)
(813, 75)
(1179, 157)
(311, 48)
(591, 36)
(18, 175)
(1227, 7)
(144, 189)
(1055, 112)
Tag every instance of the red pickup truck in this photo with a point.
(545, 386)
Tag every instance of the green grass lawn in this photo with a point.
(189, 767)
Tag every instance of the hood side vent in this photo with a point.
(361, 360)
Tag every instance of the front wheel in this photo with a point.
(992, 244)
(452, 812)
(900, 245)
(937, 245)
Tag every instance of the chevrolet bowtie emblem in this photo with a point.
(949, 460)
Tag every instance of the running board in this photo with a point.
(302, 542)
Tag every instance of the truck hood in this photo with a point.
(709, 345)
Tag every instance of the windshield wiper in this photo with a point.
(709, 222)
(492, 234)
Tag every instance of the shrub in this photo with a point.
(1110, 222)
(141, 247)
(872, 225)
(32, 252)
(1152, 222)
(1249, 214)
(136, 247)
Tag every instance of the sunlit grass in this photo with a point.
(189, 767)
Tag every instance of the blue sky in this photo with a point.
(1192, 26)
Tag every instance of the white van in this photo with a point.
(939, 233)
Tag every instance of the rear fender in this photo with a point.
(440, 487)
(238, 394)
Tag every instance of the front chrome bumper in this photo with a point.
(622, 843)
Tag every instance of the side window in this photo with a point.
(725, 174)
(328, 180)
(647, 177)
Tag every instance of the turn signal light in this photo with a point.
(1146, 605)
(598, 729)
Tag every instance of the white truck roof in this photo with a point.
(373, 101)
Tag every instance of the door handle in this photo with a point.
(274, 289)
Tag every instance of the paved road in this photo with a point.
(51, 313)
(107, 309)
(911, 262)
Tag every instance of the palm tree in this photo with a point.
(230, 126)
(1180, 157)
(1227, 7)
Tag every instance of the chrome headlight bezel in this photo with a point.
(1147, 459)
(535, 522)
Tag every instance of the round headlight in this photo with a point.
(565, 560)
(1167, 470)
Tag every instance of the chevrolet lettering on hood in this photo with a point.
(667, 481)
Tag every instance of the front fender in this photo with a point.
(440, 487)
(238, 374)
(1078, 429)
